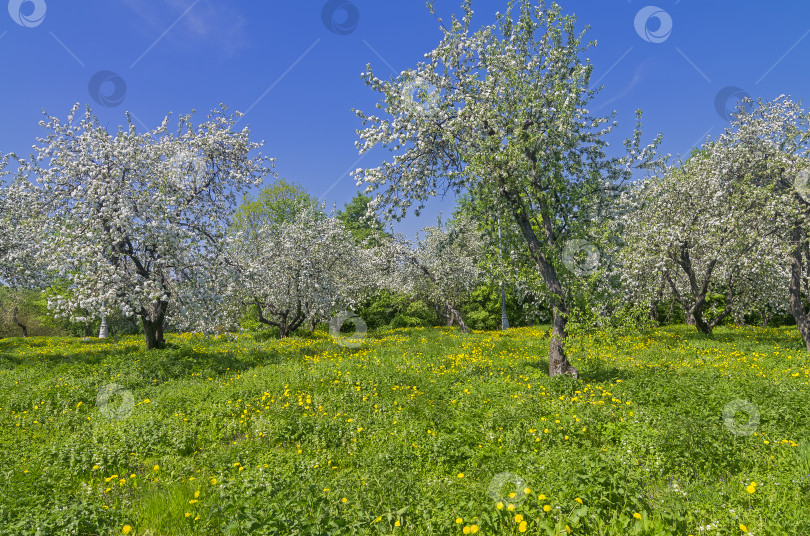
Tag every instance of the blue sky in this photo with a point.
(298, 78)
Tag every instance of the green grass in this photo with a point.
(421, 431)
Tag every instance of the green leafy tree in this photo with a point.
(364, 226)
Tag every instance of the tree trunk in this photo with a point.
(654, 316)
(694, 304)
(765, 318)
(654, 312)
(796, 301)
(557, 360)
(16, 319)
(690, 318)
(284, 325)
(153, 324)
(454, 315)
(88, 329)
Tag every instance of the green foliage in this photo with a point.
(416, 314)
(355, 219)
(277, 203)
(482, 310)
(396, 309)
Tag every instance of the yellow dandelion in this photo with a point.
(473, 529)
(126, 529)
(459, 521)
(547, 508)
(518, 518)
(522, 527)
(499, 506)
(578, 500)
(637, 515)
(743, 528)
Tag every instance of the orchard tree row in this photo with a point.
(155, 225)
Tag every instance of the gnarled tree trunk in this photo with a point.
(153, 324)
(797, 308)
(288, 321)
(694, 302)
(16, 319)
(557, 360)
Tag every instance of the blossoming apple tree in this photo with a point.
(293, 261)
(135, 220)
(702, 229)
(501, 114)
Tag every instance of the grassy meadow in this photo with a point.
(417, 431)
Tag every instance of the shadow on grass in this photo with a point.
(745, 335)
(9, 361)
